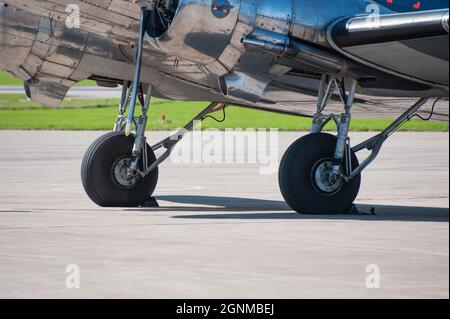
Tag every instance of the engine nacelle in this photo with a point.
(210, 32)
(206, 32)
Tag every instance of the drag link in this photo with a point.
(170, 142)
(376, 143)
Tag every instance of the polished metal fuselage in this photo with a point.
(198, 36)
(188, 61)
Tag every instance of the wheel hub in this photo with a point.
(123, 175)
(324, 180)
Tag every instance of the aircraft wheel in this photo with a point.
(304, 178)
(106, 176)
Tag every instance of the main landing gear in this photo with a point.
(320, 173)
(120, 169)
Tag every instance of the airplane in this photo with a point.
(250, 53)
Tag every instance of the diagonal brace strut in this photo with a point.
(170, 142)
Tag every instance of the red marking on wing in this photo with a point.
(417, 5)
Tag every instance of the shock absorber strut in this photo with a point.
(147, 23)
(147, 15)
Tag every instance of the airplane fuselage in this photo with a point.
(37, 46)
(243, 52)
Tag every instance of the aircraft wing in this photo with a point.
(412, 45)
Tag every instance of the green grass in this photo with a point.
(99, 114)
(20, 102)
(6, 79)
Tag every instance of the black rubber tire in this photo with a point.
(296, 181)
(96, 173)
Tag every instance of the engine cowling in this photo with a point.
(206, 32)
(200, 30)
(222, 35)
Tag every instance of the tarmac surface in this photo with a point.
(222, 231)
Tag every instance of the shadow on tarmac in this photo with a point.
(258, 209)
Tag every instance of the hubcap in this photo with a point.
(122, 174)
(324, 180)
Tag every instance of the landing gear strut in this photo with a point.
(120, 169)
(320, 173)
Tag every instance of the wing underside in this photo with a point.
(411, 45)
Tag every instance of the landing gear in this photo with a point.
(120, 169)
(107, 174)
(112, 169)
(320, 173)
(307, 181)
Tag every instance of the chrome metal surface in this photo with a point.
(243, 86)
(196, 34)
(445, 23)
(344, 127)
(36, 45)
(395, 24)
(273, 48)
(329, 85)
(137, 73)
(384, 42)
(121, 120)
(324, 179)
(327, 89)
(122, 173)
(139, 143)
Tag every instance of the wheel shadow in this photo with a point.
(224, 208)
